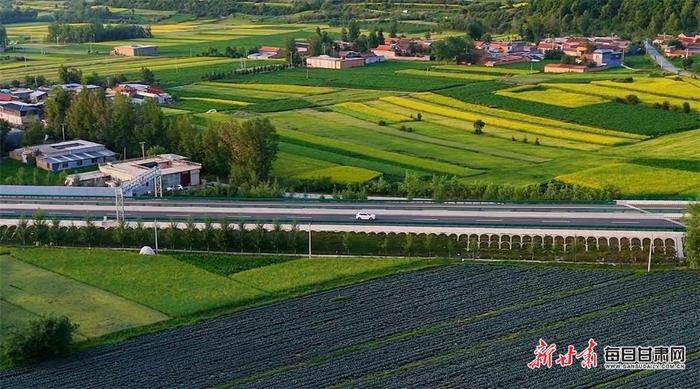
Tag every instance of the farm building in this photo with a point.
(140, 92)
(174, 169)
(64, 155)
(327, 62)
(404, 49)
(565, 68)
(18, 113)
(267, 52)
(135, 50)
(607, 58)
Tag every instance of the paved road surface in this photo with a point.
(591, 216)
(663, 62)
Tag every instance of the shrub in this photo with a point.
(382, 123)
(632, 99)
(45, 338)
(686, 107)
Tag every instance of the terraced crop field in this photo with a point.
(351, 125)
(466, 324)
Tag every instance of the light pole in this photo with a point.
(143, 150)
(309, 240)
(63, 130)
(651, 249)
(155, 231)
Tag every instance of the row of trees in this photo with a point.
(222, 235)
(10, 14)
(96, 32)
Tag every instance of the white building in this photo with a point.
(175, 171)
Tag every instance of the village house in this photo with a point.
(19, 114)
(690, 45)
(64, 155)
(137, 50)
(408, 49)
(140, 92)
(176, 171)
(328, 62)
(267, 52)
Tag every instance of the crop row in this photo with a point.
(638, 119)
(501, 113)
(254, 341)
(363, 133)
(386, 156)
(661, 322)
(474, 333)
(613, 91)
(452, 75)
(344, 157)
(505, 123)
(365, 112)
(679, 89)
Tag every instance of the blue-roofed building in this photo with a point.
(64, 155)
(607, 58)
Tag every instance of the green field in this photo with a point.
(42, 292)
(107, 291)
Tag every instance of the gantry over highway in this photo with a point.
(620, 224)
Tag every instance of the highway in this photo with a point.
(389, 213)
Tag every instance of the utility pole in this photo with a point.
(651, 249)
(63, 130)
(143, 150)
(155, 231)
(309, 240)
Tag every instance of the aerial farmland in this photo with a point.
(313, 194)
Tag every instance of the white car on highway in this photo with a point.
(363, 215)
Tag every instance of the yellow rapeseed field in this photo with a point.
(521, 117)
(553, 97)
(361, 109)
(507, 123)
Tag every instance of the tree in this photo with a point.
(353, 31)
(215, 155)
(172, 234)
(454, 48)
(40, 227)
(253, 147)
(692, 235)
(34, 133)
(67, 75)
(479, 127)
(393, 28)
(428, 241)
(88, 234)
(147, 76)
(123, 123)
(150, 127)
(155, 150)
(3, 37)
(4, 130)
(344, 34)
(361, 44)
(259, 236)
(346, 242)
(408, 243)
(208, 235)
(687, 62)
(56, 110)
(293, 57)
(45, 338)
